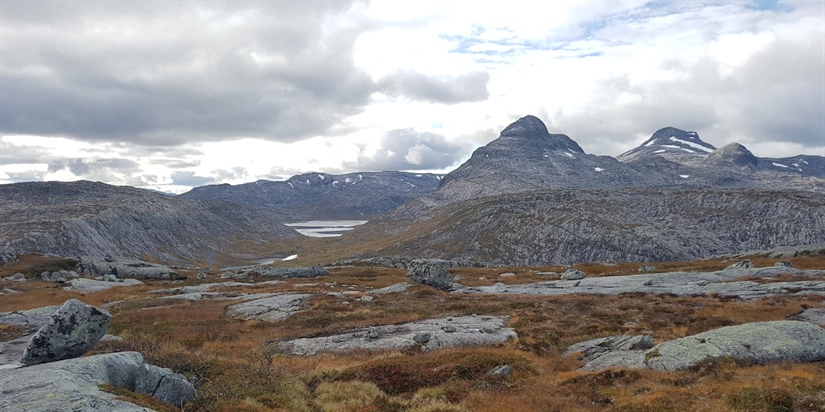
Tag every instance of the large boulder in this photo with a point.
(124, 268)
(429, 273)
(573, 274)
(7, 257)
(92, 285)
(70, 332)
(73, 384)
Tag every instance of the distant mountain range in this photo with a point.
(317, 196)
(527, 198)
(531, 198)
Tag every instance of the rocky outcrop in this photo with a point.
(759, 343)
(289, 272)
(271, 309)
(440, 333)
(124, 268)
(396, 288)
(573, 274)
(745, 264)
(70, 332)
(73, 384)
(60, 276)
(754, 343)
(6, 258)
(92, 285)
(423, 271)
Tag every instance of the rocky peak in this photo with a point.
(669, 142)
(733, 153)
(530, 135)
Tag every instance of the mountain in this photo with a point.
(94, 219)
(316, 196)
(532, 198)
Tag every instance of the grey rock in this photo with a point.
(648, 282)
(71, 331)
(422, 271)
(783, 263)
(91, 285)
(201, 276)
(745, 264)
(702, 283)
(270, 309)
(449, 328)
(124, 268)
(290, 272)
(759, 342)
(17, 277)
(573, 274)
(507, 275)
(647, 268)
(468, 332)
(813, 315)
(594, 347)
(500, 371)
(60, 276)
(366, 298)
(72, 384)
(422, 337)
(372, 333)
(34, 318)
(6, 258)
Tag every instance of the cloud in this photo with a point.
(408, 149)
(190, 179)
(470, 87)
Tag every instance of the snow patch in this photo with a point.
(684, 176)
(347, 180)
(307, 181)
(419, 175)
(650, 143)
(290, 257)
(321, 177)
(569, 154)
(803, 161)
(688, 150)
(660, 151)
(781, 165)
(691, 144)
(599, 169)
(334, 182)
(290, 185)
(360, 177)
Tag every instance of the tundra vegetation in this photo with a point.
(238, 366)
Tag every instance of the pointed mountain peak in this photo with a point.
(531, 134)
(733, 153)
(669, 141)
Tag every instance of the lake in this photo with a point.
(325, 228)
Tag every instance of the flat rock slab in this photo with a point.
(34, 318)
(442, 333)
(124, 268)
(813, 315)
(678, 283)
(91, 285)
(206, 287)
(72, 384)
(271, 308)
(396, 288)
(757, 343)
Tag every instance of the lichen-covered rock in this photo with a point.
(758, 342)
(92, 285)
(60, 276)
(396, 288)
(422, 271)
(290, 272)
(71, 331)
(573, 274)
(745, 264)
(272, 308)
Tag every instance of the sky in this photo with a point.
(168, 95)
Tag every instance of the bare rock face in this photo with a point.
(71, 331)
(422, 271)
(272, 308)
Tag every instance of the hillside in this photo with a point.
(95, 219)
(316, 196)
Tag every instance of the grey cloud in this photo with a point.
(775, 96)
(407, 149)
(13, 154)
(214, 70)
(190, 179)
(470, 87)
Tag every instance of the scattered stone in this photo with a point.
(468, 332)
(6, 258)
(647, 268)
(573, 274)
(73, 384)
(482, 278)
(507, 275)
(233, 275)
(372, 333)
(702, 283)
(34, 318)
(649, 282)
(449, 328)
(500, 371)
(60, 276)
(366, 298)
(17, 277)
(91, 285)
(456, 278)
(270, 309)
(422, 337)
(70, 332)
(783, 263)
(745, 264)
(423, 271)
(201, 276)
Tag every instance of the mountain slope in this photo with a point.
(315, 196)
(95, 219)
